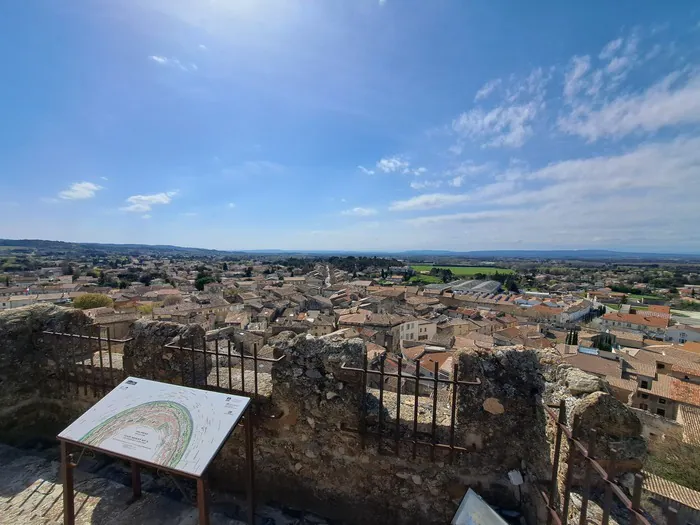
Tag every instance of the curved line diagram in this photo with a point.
(171, 420)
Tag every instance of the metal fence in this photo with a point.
(423, 378)
(91, 362)
(559, 513)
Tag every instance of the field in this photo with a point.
(464, 271)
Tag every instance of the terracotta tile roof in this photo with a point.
(594, 364)
(693, 370)
(684, 392)
(659, 308)
(622, 384)
(640, 367)
(660, 387)
(690, 417)
(657, 322)
(673, 491)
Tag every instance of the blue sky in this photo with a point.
(352, 124)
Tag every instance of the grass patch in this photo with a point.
(424, 279)
(464, 271)
(639, 297)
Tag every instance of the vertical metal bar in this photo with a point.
(250, 478)
(636, 498)
(381, 403)
(135, 480)
(240, 352)
(255, 365)
(102, 364)
(363, 404)
(397, 435)
(194, 376)
(109, 354)
(228, 353)
(453, 413)
(74, 364)
(555, 464)
(607, 500)
(203, 501)
(569, 470)
(83, 367)
(92, 362)
(586, 494)
(181, 358)
(204, 358)
(216, 349)
(436, 371)
(416, 387)
(67, 479)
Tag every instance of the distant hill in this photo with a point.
(62, 247)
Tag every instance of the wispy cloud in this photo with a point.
(144, 203)
(80, 190)
(231, 205)
(173, 62)
(510, 123)
(428, 202)
(487, 89)
(392, 165)
(459, 217)
(424, 184)
(365, 170)
(360, 212)
(146, 216)
(673, 101)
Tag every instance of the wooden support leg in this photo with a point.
(68, 492)
(250, 484)
(203, 501)
(135, 480)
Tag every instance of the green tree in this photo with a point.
(574, 339)
(146, 279)
(225, 266)
(249, 271)
(7, 281)
(92, 300)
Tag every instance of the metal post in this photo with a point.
(67, 479)
(363, 404)
(203, 501)
(398, 407)
(135, 480)
(607, 499)
(636, 497)
(570, 469)
(435, 399)
(586, 494)
(415, 408)
(250, 483)
(453, 413)
(555, 464)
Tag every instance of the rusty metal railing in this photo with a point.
(559, 513)
(421, 376)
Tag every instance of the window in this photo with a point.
(645, 385)
(660, 366)
(660, 412)
(645, 396)
(662, 401)
(644, 406)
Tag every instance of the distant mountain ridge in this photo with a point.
(585, 254)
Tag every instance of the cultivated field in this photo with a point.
(464, 271)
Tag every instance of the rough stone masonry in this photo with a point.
(307, 449)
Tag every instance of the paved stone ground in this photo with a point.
(31, 493)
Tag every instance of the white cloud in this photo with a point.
(104, 178)
(610, 49)
(508, 126)
(578, 67)
(428, 202)
(382, 2)
(144, 203)
(80, 190)
(487, 89)
(510, 123)
(421, 185)
(231, 204)
(360, 212)
(393, 164)
(173, 62)
(459, 217)
(670, 102)
(457, 181)
(146, 216)
(202, 47)
(365, 170)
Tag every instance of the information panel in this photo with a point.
(172, 426)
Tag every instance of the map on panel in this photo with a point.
(166, 425)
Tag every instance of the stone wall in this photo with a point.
(308, 452)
